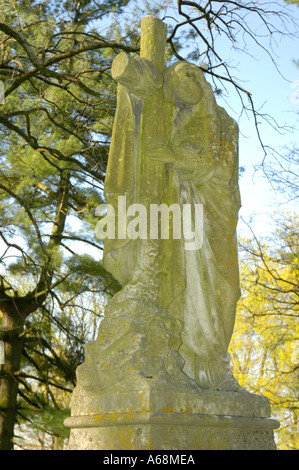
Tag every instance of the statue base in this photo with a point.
(132, 394)
(159, 420)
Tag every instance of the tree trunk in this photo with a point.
(13, 325)
(15, 310)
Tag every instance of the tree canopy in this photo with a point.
(266, 338)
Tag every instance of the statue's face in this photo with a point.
(186, 83)
(190, 105)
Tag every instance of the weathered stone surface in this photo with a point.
(158, 375)
(133, 394)
(159, 433)
(177, 420)
(173, 145)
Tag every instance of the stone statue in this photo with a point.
(172, 144)
(163, 344)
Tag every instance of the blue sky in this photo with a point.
(278, 96)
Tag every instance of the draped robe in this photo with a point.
(189, 155)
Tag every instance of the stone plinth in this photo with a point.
(132, 393)
(159, 420)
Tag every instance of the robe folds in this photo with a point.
(177, 146)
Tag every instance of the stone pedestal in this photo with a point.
(132, 393)
(159, 420)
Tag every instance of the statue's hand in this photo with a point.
(161, 152)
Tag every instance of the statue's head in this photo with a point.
(185, 80)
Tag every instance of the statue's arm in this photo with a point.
(182, 158)
(138, 74)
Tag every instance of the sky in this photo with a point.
(279, 97)
(275, 92)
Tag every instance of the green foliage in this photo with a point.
(265, 344)
(55, 126)
(83, 268)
